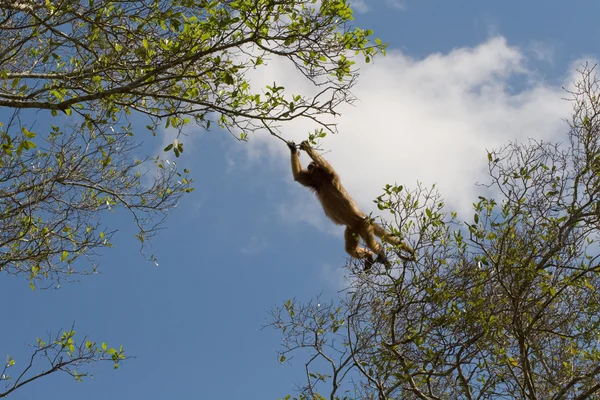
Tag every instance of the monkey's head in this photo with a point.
(317, 173)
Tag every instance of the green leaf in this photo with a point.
(27, 133)
(57, 95)
(25, 145)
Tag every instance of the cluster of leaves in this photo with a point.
(60, 352)
(85, 68)
(504, 307)
(177, 60)
(55, 187)
(97, 62)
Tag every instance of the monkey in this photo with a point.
(341, 209)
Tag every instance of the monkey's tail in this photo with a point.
(388, 237)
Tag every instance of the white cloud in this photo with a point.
(359, 6)
(255, 245)
(397, 4)
(336, 277)
(426, 119)
(305, 208)
(542, 51)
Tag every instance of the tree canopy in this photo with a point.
(502, 306)
(175, 60)
(89, 67)
(79, 80)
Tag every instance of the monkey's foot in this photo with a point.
(404, 257)
(368, 264)
(383, 260)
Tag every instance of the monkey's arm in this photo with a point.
(300, 175)
(316, 157)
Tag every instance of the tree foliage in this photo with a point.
(89, 67)
(53, 196)
(79, 78)
(175, 60)
(60, 352)
(503, 306)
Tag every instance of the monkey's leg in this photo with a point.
(352, 248)
(387, 237)
(368, 235)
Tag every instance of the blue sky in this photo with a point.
(460, 77)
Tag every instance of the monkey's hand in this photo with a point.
(368, 264)
(305, 146)
(292, 146)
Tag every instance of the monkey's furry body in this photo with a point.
(340, 208)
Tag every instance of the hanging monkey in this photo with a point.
(339, 207)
